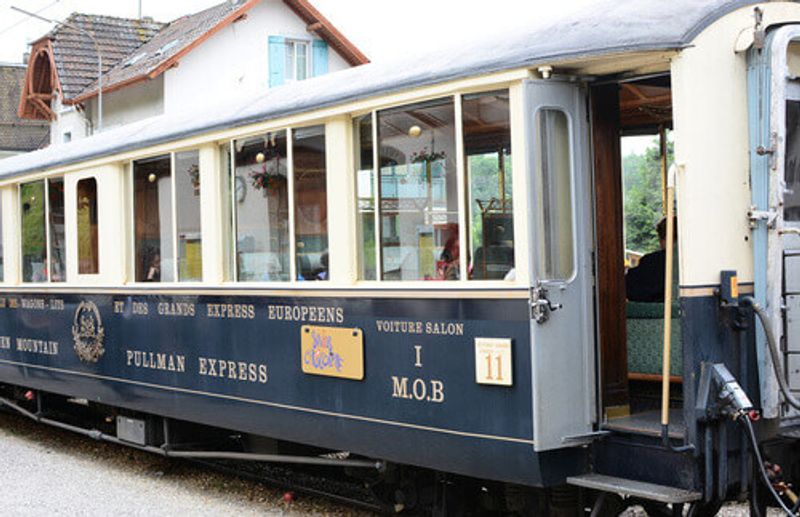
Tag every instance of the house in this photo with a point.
(150, 68)
(17, 135)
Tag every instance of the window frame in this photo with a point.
(233, 244)
(48, 252)
(78, 181)
(292, 43)
(536, 212)
(463, 189)
(131, 227)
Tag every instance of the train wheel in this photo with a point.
(704, 509)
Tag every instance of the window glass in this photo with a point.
(301, 51)
(311, 204)
(487, 145)
(289, 66)
(88, 259)
(791, 208)
(262, 222)
(365, 191)
(2, 255)
(187, 208)
(229, 185)
(34, 244)
(152, 207)
(58, 269)
(418, 192)
(553, 187)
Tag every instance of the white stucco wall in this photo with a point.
(129, 104)
(70, 120)
(235, 60)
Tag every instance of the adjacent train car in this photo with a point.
(423, 263)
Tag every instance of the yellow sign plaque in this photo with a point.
(332, 351)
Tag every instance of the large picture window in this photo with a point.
(262, 208)
(408, 189)
(167, 218)
(43, 240)
(152, 206)
(487, 146)
(280, 199)
(418, 192)
(310, 203)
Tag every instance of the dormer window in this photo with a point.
(298, 60)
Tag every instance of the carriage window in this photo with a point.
(791, 209)
(187, 211)
(487, 145)
(553, 185)
(42, 205)
(55, 215)
(365, 192)
(262, 221)
(152, 205)
(88, 260)
(310, 203)
(231, 192)
(418, 192)
(2, 255)
(34, 244)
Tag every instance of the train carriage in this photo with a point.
(422, 263)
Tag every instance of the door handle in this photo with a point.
(541, 306)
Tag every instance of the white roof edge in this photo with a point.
(608, 27)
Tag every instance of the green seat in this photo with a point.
(645, 322)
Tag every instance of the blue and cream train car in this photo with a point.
(422, 263)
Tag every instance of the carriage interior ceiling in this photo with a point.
(367, 239)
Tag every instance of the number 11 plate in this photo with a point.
(493, 361)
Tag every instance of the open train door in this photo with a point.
(774, 101)
(561, 230)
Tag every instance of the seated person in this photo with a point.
(645, 283)
(448, 261)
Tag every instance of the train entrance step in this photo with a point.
(629, 487)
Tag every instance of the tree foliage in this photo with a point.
(643, 197)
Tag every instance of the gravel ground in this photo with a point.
(46, 471)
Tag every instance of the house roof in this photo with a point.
(65, 60)
(181, 36)
(17, 134)
(601, 29)
(74, 53)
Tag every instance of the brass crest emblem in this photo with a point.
(88, 332)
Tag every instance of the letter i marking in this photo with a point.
(418, 349)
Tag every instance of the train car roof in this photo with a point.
(607, 27)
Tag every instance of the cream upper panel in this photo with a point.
(709, 97)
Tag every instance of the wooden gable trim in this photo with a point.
(34, 104)
(320, 25)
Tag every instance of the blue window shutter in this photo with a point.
(320, 57)
(277, 60)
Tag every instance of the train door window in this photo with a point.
(88, 259)
(152, 200)
(553, 185)
(366, 195)
(43, 243)
(310, 203)
(791, 208)
(418, 192)
(487, 146)
(187, 216)
(262, 216)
